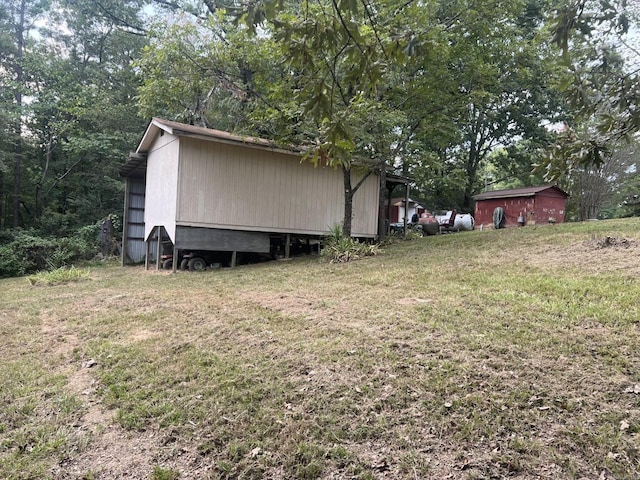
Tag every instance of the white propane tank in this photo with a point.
(464, 221)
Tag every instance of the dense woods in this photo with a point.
(460, 95)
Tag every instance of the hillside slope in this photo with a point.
(492, 354)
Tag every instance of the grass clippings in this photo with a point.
(495, 354)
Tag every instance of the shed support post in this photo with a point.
(147, 246)
(234, 258)
(159, 247)
(387, 223)
(406, 208)
(175, 259)
(287, 246)
(382, 230)
(125, 223)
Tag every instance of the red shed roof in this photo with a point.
(519, 192)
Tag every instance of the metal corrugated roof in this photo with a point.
(136, 163)
(518, 192)
(135, 166)
(182, 129)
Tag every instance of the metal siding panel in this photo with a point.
(299, 192)
(256, 181)
(135, 247)
(240, 190)
(365, 220)
(246, 188)
(136, 200)
(550, 207)
(136, 251)
(136, 231)
(266, 191)
(136, 216)
(374, 199)
(213, 239)
(285, 186)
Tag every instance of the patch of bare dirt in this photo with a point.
(299, 305)
(142, 335)
(107, 451)
(413, 301)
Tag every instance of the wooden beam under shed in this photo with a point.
(174, 267)
(147, 246)
(159, 247)
(125, 220)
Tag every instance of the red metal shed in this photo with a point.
(522, 206)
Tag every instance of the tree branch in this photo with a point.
(134, 29)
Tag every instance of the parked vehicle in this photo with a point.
(197, 260)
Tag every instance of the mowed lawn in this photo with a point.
(473, 355)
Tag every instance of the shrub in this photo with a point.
(10, 264)
(341, 249)
(28, 251)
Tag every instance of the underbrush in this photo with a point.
(28, 251)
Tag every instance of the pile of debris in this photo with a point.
(607, 242)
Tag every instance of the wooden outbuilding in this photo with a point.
(522, 206)
(203, 189)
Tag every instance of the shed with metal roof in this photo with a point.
(522, 206)
(205, 189)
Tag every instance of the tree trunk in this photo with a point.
(2, 199)
(382, 219)
(17, 165)
(17, 158)
(348, 201)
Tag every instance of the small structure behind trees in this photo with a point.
(522, 206)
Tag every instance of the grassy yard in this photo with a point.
(475, 355)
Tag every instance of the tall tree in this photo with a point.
(429, 87)
(503, 85)
(18, 18)
(309, 76)
(600, 55)
(83, 116)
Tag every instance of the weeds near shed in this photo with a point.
(58, 276)
(341, 249)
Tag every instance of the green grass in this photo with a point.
(476, 355)
(58, 276)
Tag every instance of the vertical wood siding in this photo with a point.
(228, 186)
(550, 208)
(535, 209)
